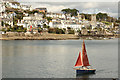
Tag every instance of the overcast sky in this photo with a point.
(84, 7)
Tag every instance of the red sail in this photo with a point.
(84, 56)
(78, 62)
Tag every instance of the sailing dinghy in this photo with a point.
(82, 63)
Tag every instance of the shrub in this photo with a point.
(3, 30)
(59, 31)
(51, 30)
(71, 32)
(56, 30)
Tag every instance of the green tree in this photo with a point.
(73, 12)
(3, 30)
(66, 11)
(79, 31)
(2, 23)
(32, 12)
(24, 30)
(15, 2)
(86, 16)
(44, 15)
(59, 31)
(51, 30)
(71, 32)
(68, 27)
(19, 15)
(101, 16)
(49, 19)
(40, 29)
(56, 30)
(44, 26)
(8, 29)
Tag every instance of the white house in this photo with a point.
(2, 7)
(8, 21)
(26, 7)
(35, 20)
(62, 24)
(55, 15)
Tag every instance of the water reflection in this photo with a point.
(83, 77)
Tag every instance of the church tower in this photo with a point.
(93, 20)
(79, 16)
(93, 17)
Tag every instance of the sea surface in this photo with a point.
(56, 58)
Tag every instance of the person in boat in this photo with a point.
(85, 67)
(82, 66)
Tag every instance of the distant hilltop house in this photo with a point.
(63, 16)
(44, 10)
(2, 7)
(8, 21)
(55, 15)
(26, 7)
(7, 16)
(11, 4)
(8, 0)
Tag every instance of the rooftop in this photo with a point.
(42, 8)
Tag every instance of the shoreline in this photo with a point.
(55, 37)
(41, 37)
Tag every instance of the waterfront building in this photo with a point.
(63, 24)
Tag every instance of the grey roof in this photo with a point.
(42, 8)
(9, 0)
(5, 19)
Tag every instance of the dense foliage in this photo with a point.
(15, 29)
(56, 30)
(73, 12)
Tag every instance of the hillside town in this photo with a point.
(16, 18)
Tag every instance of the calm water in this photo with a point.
(56, 58)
